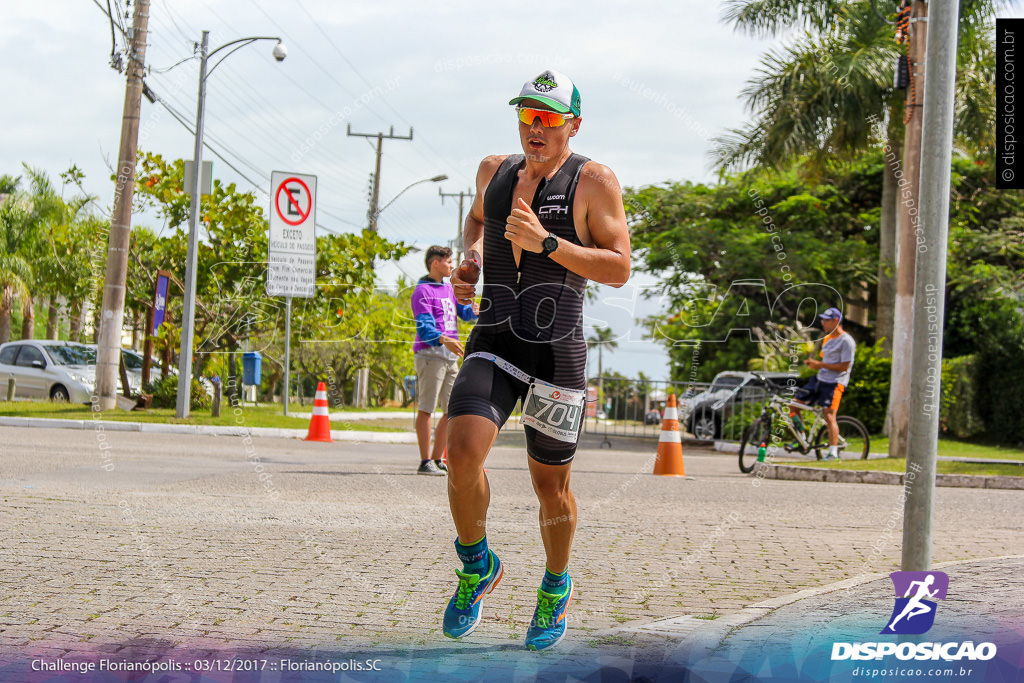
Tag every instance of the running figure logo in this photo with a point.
(914, 612)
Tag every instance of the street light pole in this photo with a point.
(188, 311)
(435, 179)
(930, 287)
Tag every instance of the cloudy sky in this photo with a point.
(657, 78)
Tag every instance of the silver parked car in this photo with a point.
(706, 412)
(61, 371)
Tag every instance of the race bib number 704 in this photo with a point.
(554, 411)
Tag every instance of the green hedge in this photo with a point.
(1000, 377)
(958, 411)
(165, 394)
(867, 396)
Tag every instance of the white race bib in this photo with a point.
(554, 411)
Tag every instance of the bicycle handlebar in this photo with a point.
(770, 385)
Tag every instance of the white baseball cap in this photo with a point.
(554, 89)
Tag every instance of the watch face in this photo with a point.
(550, 243)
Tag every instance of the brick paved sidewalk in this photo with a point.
(215, 542)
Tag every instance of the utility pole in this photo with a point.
(183, 401)
(375, 195)
(108, 357)
(906, 240)
(929, 311)
(458, 240)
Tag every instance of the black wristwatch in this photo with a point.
(549, 244)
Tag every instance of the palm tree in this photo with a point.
(825, 93)
(602, 337)
(15, 270)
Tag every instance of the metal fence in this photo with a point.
(634, 408)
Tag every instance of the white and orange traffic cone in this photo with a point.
(669, 462)
(320, 423)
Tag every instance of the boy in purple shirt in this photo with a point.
(437, 349)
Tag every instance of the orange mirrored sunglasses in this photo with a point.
(548, 119)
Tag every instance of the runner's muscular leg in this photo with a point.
(557, 512)
(469, 441)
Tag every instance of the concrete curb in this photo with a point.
(797, 473)
(702, 637)
(205, 430)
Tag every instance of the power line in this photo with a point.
(276, 129)
(297, 45)
(370, 85)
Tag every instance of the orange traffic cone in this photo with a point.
(320, 423)
(670, 446)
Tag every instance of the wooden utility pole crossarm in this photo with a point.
(375, 194)
(112, 312)
(463, 196)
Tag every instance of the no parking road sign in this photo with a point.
(291, 268)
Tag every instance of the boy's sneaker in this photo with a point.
(462, 615)
(440, 465)
(548, 626)
(431, 468)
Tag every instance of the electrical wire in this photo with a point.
(258, 186)
(280, 130)
(113, 40)
(220, 148)
(383, 99)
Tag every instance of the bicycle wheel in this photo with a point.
(854, 441)
(760, 431)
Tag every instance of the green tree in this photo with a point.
(747, 251)
(603, 337)
(15, 270)
(828, 93)
(232, 307)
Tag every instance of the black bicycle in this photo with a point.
(775, 428)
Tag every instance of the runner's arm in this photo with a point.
(473, 230)
(607, 261)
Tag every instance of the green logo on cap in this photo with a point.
(545, 82)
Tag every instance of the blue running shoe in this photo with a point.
(548, 626)
(462, 615)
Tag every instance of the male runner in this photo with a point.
(541, 225)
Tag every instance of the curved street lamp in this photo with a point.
(188, 312)
(435, 179)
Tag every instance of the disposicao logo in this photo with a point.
(914, 614)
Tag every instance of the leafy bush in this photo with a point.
(738, 418)
(999, 402)
(867, 395)
(958, 411)
(165, 393)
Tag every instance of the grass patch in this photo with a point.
(900, 465)
(959, 449)
(252, 416)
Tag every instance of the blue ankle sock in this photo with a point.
(556, 584)
(475, 557)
